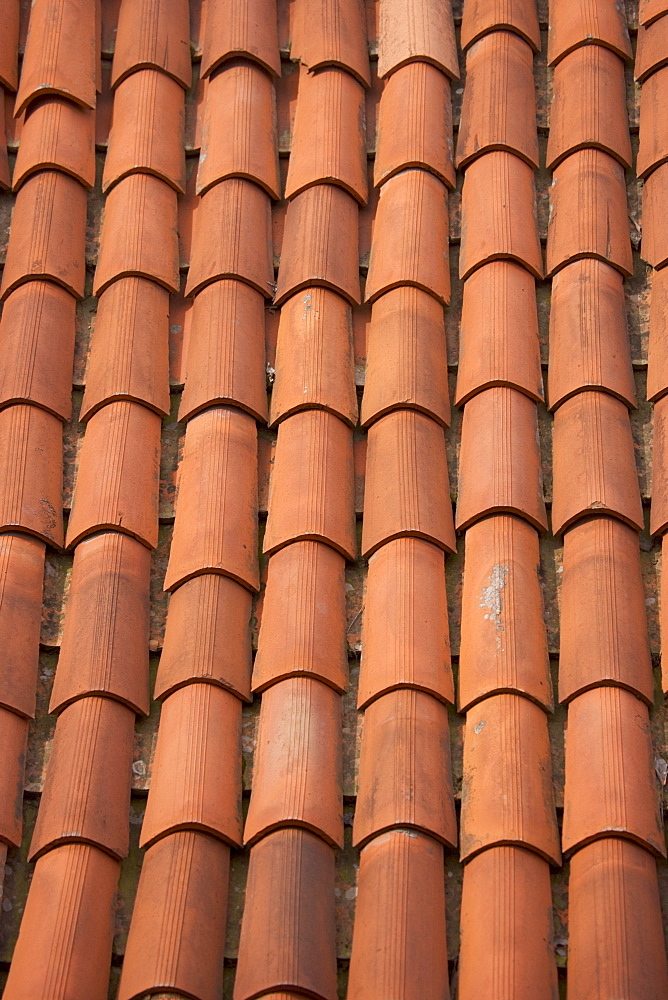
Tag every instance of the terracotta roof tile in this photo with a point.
(331, 34)
(653, 147)
(659, 510)
(9, 44)
(21, 577)
(499, 214)
(303, 628)
(498, 64)
(5, 180)
(239, 129)
(216, 508)
(422, 32)
(585, 23)
(14, 739)
(657, 367)
(57, 134)
(654, 246)
(407, 491)
(483, 16)
(406, 642)
(607, 742)
(651, 10)
(507, 787)
(594, 463)
(117, 480)
(31, 473)
(155, 34)
(651, 52)
(240, 28)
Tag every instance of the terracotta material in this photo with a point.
(21, 577)
(657, 367)
(48, 233)
(651, 52)
(611, 788)
(415, 124)
(498, 337)
(507, 946)
(659, 510)
(232, 238)
(399, 945)
(623, 954)
(410, 237)
(5, 181)
(483, 16)
(216, 508)
(331, 34)
(320, 244)
(147, 130)
(239, 129)
(60, 53)
(404, 768)
(598, 117)
(9, 44)
(105, 635)
(86, 793)
(663, 614)
(118, 475)
(603, 631)
(31, 473)
(406, 356)
(499, 459)
(584, 23)
(499, 77)
(37, 345)
(291, 946)
(129, 351)
(407, 490)
(406, 641)
(314, 364)
(14, 741)
(594, 462)
(207, 637)
(226, 350)
(311, 490)
(507, 781)
(651, 10)
(654, 245)
(139, 234)
(241, 28)
(589, 342)
(499, 214)
(588, 213)
(67, 928)
(156, 34)
(177, 934)
(420, 32)
(303, 627)
(653, 147)
(57, 134)
(503, 642)
(296, 772)
(196, 774)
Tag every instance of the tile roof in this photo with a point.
(331, 530)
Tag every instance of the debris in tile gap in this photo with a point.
(661, 768)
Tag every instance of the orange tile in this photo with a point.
(589, 344)
(181, 898)
(420, 32)
(37, 344)
(498, 336)
(297, 767)
(503, 641)
(5, 180)
(311, 492)
(498, 64)
(320, 244)
(399, 945)
(48, 233)
(187, 208)
(31, 473)
(104, 106)
(216, 509)
(291, 946)
(153, 34)
(314, 363)
(244, 29)
(483, 16)
(406, 356)
(60, 53)
(651, 10)
(14, 741)
(406, 491)
(21, 579)
(60, 135)
(86, 793)
(499, 459)
(499, 214)
(415, 124)
(129, 351)
(232, 237)
(104, 648)
(507, 783)
(657, 367)
(328, 34)
(507, 946)
(328, 137)
(594, 462)
(602, 604)
(139, 234)
(585, 23)
(589, 105)
(9, 44)
(303, 628)
(404, 768)
(239, 129)
(654, 245)
(659, 510)
(651, 52)
(109, 25)
(611, 788)
(118, 474)
(147, 130)
(653, 147)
